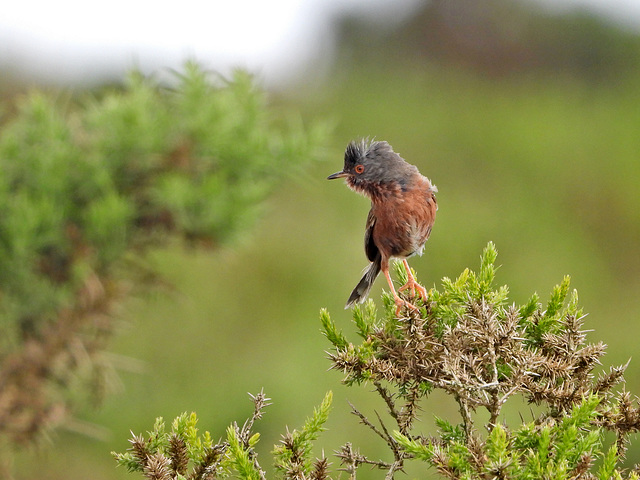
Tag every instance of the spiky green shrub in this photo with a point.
(183, 454)
(482, 350)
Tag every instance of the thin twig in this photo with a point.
(364, 420)
(388, 399)
(398, 454)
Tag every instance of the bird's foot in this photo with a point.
(414, 287)
(400, 303)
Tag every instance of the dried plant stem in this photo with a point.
(467, 421)
(388, 399)
(365, 421)
(260, 401)
(494, 410)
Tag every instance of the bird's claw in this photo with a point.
(414, 286)
(403, 303)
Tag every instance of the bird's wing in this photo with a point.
(370, 248)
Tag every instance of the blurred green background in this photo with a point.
(528, 123)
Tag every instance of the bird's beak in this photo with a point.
(337, 175)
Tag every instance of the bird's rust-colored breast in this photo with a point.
(404, 219)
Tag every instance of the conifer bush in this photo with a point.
(87, 186)
(482, 350)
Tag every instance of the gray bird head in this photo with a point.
(373, 163)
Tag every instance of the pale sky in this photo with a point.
(78, 40)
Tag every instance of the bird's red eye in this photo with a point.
(359, 168)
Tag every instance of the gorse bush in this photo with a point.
(183, 454)
(88, 186)
(469, 341)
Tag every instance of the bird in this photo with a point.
(403, 210)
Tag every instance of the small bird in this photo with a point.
(403, 209)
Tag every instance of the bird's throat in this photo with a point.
(374, 190)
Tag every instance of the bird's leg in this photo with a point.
(412, 284)
(399, 302)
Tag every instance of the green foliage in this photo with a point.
(183, 454)
(364, 317)
(241, 456)
(566, 449)
(330, 330)
(88, 185)
(293, 455)
(169, 455)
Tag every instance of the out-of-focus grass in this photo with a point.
(547, 168)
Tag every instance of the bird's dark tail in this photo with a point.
(362, 289)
